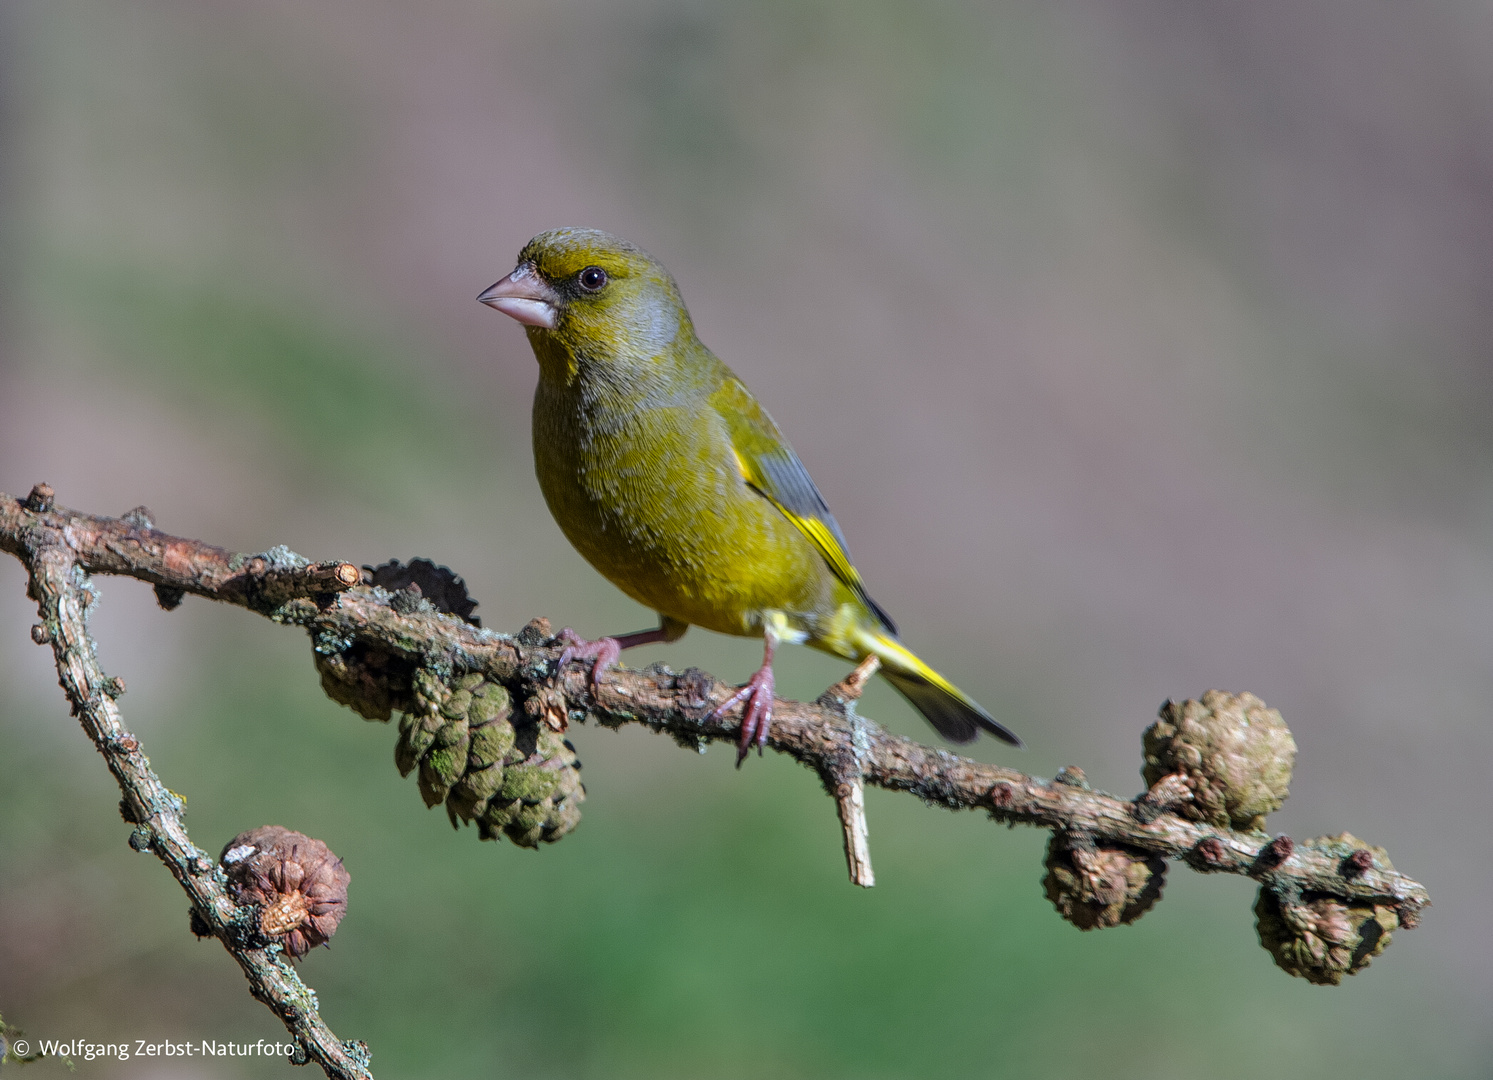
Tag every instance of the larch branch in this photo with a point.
(844, 749)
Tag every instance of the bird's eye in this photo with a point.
(592, 278)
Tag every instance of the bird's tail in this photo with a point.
(955, 715)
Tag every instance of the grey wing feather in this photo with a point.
(795, 490)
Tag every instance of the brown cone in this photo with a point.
(298, 885)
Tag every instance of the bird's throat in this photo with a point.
(558, 364)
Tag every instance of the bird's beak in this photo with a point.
(525, 296)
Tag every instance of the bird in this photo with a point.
(667, 476)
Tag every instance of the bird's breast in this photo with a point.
(647, 489)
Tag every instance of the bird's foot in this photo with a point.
(604, 651)
(755, 698)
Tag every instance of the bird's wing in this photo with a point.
(771, 468)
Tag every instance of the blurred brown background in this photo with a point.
(1140, 348)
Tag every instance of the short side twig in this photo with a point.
(851, 800)
(845, 780)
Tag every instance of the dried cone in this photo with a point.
(511, 774)
(372, 682)
(298, 885)
(1324, 939)
(439, 585)
(375, 682)
(1096, 886)
(1230, 753)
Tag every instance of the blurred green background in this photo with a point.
(1141, 348)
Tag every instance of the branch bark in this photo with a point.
(842, 748)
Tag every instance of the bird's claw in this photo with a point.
(756, 698)
(603, 651)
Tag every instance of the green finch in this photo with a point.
(669, 477)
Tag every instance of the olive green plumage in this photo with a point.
(669, 477)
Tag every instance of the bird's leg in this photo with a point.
(605, 651)
(756, 713)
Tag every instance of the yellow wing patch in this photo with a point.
(819, 533)
(825, 541)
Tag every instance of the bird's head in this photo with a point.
(591, 294)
